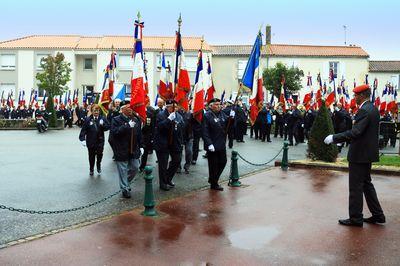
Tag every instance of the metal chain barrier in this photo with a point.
(260, 164)
(4, 207)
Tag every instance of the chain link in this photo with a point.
(4, 207)
(260, 164)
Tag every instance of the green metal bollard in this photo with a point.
(285, 161)
(234, 175)
(149, 202)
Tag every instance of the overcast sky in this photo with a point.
(374, 25)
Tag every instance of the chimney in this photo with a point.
(268, 34)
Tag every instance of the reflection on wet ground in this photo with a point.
(277, 218)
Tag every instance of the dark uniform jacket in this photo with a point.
(364, 146)
(126, 140)
(214, 130)
(93, 132)
(163, 131)
(148, 128)
(340, 119)
(309, 118)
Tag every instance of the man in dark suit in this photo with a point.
(92, 137)
(363, 151)
(168, 141)
(214, 129)
(126, 134)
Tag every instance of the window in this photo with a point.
(7, 61)
(168, 60)
(39, 59)
(335, 67)
(191, 63)
(241, 68)
(88, 64)
(7, 88)
(125, 62)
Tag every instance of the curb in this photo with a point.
(304, 165)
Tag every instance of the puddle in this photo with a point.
(253, 238)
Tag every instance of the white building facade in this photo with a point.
(89, 56)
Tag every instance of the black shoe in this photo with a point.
(179, 171)
(193, 162)
(269, 141)
(205, 155)
(290, 144)
(216, 187)
(126, 194)
(99, 170)
(186, 171)
(91, 172)
(350, 222)
(171, 184)
(141, 169)
(375, 219)
(164, 187)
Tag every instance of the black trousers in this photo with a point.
(278, 129)
(359, 184)
(143, 159)
(216, 164)
(196, 142)
(93, 153)
(240, 129)
(166, 172)
(231, 137)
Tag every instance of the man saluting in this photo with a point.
(363, 151)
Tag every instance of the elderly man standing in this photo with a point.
(215, 128)
(363, 151)
(126, 133)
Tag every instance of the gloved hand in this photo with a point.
(285, 125)
(328, 140)
(132, 123)
(232, 114)
(172, 116)
(141, 151)
(101, 122)
(211, 148)
(302, 125)
(83, 142)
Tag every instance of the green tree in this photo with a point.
(53, 79)
(272, 78)
(322, 127)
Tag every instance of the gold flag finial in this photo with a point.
(180, 20)
(139, 16)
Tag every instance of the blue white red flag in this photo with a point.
(252, 78)
(198, 99)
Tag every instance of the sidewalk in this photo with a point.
(276, 217)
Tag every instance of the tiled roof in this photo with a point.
(101, 43)
(292, 50)
(384, 66)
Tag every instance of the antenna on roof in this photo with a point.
(345, 34)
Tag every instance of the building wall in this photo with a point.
(25, 66)
(84, 77)
(10, 76)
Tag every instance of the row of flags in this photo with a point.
(178, 89)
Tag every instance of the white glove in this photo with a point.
(274, 117)
(302, 125)
(285, 125)
(328, 140)
(101, 122)
(141, 151)
(232, 114)
(132, 123)
(172, 116)
(83, 142)
(290, 112)
(211, 148)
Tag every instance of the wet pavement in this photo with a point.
(50, 172)
(276, 217)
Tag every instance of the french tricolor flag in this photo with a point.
(138, 90)
(182, 81)
(164, 90)
(252, 78)
(198, 100)
(210, 85)
(382, 107)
